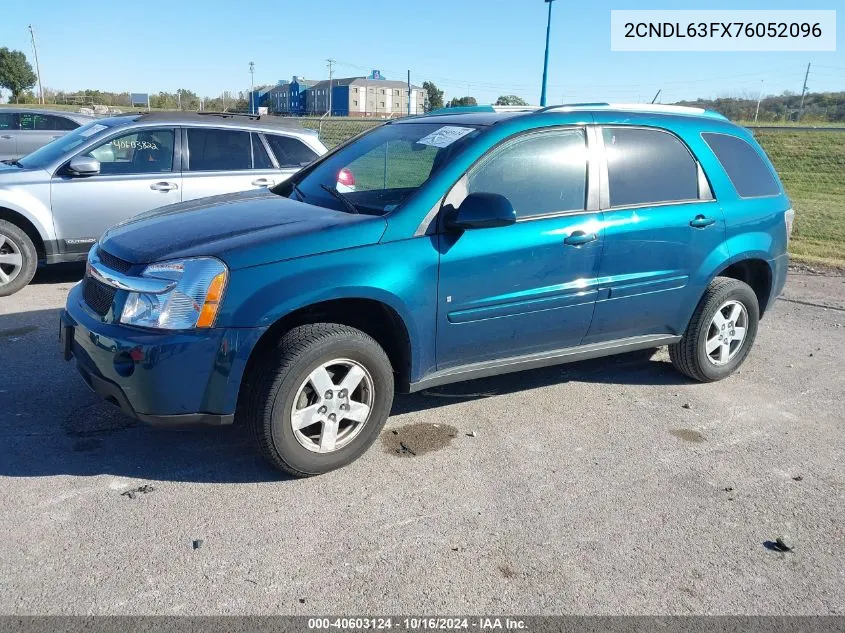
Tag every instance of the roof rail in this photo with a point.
(655, 108)
(229, 114)
(482, 108)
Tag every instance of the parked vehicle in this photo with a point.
(24, 130)
(473, 244)
(55, 202)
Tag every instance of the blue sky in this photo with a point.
(476, 47)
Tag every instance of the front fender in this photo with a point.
(32, 203)
(401, 275)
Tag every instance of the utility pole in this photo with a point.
(251, 87)
(330, 64)
(409, 93)
(760, 98)
(803, 92)
(546, 62)
(37, 66)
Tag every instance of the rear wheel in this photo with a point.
(319, 399)
(18, 258)
(721, 332)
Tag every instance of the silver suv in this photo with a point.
(57, 201)
(24, 130)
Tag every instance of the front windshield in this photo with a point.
(379, 171)
(57, 149)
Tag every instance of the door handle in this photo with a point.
(164, 186)
(56, 136)
(263, 182)
(701, 222)
(6, 136)
(580, 237)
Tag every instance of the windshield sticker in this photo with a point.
(91, 131)
(445, 136)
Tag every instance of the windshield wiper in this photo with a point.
(346, 202)
(13, 163)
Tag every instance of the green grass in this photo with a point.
(812, 168)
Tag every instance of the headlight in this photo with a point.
(192, 303)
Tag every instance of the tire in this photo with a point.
(690, 355)
(285, 377)
(18, 258)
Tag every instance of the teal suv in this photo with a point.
(430, 250)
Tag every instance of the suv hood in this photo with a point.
(243, 229)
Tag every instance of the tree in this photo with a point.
(434, 97)
(463, 101)
(511, 100)
(15, 72)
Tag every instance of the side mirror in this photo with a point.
(482, 211)
(84, 166)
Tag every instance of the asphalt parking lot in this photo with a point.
(606, 487)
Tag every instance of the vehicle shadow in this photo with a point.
(59, 273)
(51, 424)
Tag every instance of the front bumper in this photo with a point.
(158, 377)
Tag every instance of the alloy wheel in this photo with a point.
(332, 405)
(726, 333)
(11, 260)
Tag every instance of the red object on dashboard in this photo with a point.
(345, 177)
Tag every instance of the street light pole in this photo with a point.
(546, 62)
(37, 66)
(251, 87)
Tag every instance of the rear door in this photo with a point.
(661, 225)
(138, 172)
(225, 160)
(9, 135)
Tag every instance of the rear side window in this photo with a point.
(260, 157)
(750, 175)
(648, 167)
(218, 150)
(290, 152)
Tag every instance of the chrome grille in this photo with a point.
(98, 295)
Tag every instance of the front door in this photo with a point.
(531, 286)
(137, 173)
(661, 225)
(225, 160)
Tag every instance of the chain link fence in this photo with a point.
(334, 130)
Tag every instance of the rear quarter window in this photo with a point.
(747, 170)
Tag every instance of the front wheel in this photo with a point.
(319, 399)
(721, 332)
(18, 258)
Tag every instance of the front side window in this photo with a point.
(382, 169)
(539, 173)
(290, 152)
(648, 167)
(218, 150)
(139, 152)
(749, 174)
(46, 122)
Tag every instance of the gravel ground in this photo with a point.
(604, 487)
